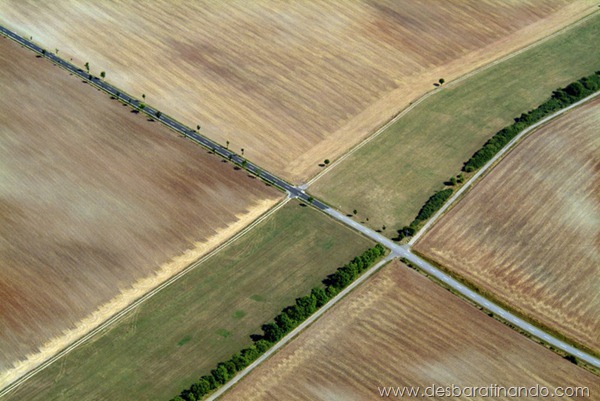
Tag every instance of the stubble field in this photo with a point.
(97, 206)
(291, 83)
(400, 329)
(181, 333)
(529, 232)
(391, 177)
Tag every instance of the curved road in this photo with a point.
(297, 192)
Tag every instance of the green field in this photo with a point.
(180, 334)
(390, 178)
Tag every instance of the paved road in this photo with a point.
(489, 164)
(288, 337)
(168, 121)
(297, 192)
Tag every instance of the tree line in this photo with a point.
(432, 205)
(561, 98)
(289, 318)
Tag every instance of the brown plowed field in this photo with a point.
(529, 232)
(400, 329)
(95, 201)
(292, 83)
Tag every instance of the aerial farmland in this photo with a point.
(98, 205)
(290, 83)
(387, 334)
(529, 232)
(205, 200)
(204, 317)
(390, 177)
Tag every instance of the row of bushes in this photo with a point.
(433, 204)
(560, 99)
(286, 321)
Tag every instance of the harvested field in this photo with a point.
(391, 177)
(292, 83)
(97, 206)
(529, 232)
(400, 329)
(182, 332)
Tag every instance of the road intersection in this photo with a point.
(299, 192)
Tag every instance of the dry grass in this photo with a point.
(291, 82)
(399, 329)
(94, 199)
(391, 177)
(529, 232)
(181, 333)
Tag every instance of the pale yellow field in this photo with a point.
(529, 232)
(292, 83)
(97, 206)
(400, 329)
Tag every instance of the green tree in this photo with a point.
(197, 127)
(284, 322)
(310, 199)
(244, 163)
(87, 67)
(56, 50)
(320, 296)
(144, 96)
(103, 75)
(326, 161)
(355, 212)
(220, 373)
(272, 332)
(441, 81)
(227, 145)
(242, 151)
(158, 114)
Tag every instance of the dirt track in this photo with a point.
(95, 203)
(375, 337)
(528, 233)
(291, 83)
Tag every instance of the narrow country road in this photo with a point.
(299, 193)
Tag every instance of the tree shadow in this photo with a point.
(321, 164)
(302, 204)
(135, 111)
(236, 168)
(436, 85)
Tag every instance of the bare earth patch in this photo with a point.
(97, 206)
(292, 83)
(400, 329)
(529, 232)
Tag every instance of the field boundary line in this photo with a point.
(505, 150)
(294, 333)
(432, 92)
(138, 302)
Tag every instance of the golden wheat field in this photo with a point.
(400, 329)
(292, 83)
(97, 206)
(529, 232)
